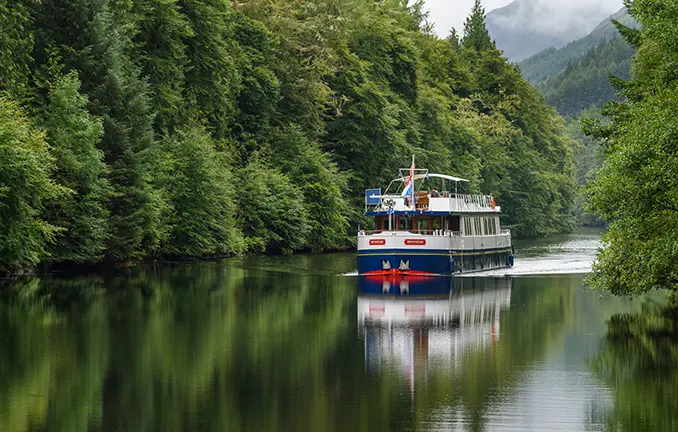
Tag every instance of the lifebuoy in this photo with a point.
(492, 203)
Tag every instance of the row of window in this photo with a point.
(483, 225)
(472, 225)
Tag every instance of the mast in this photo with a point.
(414, 204)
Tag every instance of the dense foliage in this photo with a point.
(588, 158)
(199, 128)
(585, 82)
(636, 189)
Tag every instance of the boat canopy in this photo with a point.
(423, 176)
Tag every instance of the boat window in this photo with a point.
(486, 227)
(404, 223)
(467, 226)
(378, 223)
(423, 224)
(476, 226)
(437, 223)
(489, 226)
(453, 223)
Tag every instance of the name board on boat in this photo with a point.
(415, 242)
(377, 242)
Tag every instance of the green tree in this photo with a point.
(16, 43)
(322, 184)
(73, 135)
(258, 95)
(94, 39)
(161, 44)
(636, 189)
(271, 210)
(476, 36)
(201, 192)
(25, 188)
(212, 78)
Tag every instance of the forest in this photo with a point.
(635, 190)
(164, 129)
(586, 83)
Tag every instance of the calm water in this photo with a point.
(293, 344)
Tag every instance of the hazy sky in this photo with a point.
(452, 13)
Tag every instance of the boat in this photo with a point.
(420, 230)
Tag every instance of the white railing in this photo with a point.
(437, 233)
(441, 201)
(463, 202)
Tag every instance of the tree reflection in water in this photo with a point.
(638, 360)
(256, 347)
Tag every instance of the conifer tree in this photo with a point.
(94, 39)
(74, 135)
(16, 43)
(476, 36)
(212, 78)
(453, 39)
(161, 43)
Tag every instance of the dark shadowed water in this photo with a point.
(293, 344)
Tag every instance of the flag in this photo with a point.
(409, 185)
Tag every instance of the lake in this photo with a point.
(301, 344)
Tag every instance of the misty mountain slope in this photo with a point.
(550, 62)
(585, 83)
(526, 27)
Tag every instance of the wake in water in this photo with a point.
(572, 254)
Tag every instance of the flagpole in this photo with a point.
(412, 174)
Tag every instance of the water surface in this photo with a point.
(291, 344)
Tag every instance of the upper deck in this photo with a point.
(431, 202)
(415, 194)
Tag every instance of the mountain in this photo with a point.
(585, 83)
(550, 62)
(526, 27)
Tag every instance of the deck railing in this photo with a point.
(433, 201)
(438, 232)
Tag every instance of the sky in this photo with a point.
(452, 13)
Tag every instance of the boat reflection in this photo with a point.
(429, 323)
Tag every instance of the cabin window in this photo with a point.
(437, 223)
(476, 226)
(423, 224)
(404, 223)
(453, 223)
(467, 226)
(489, 225)
(378, 223)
